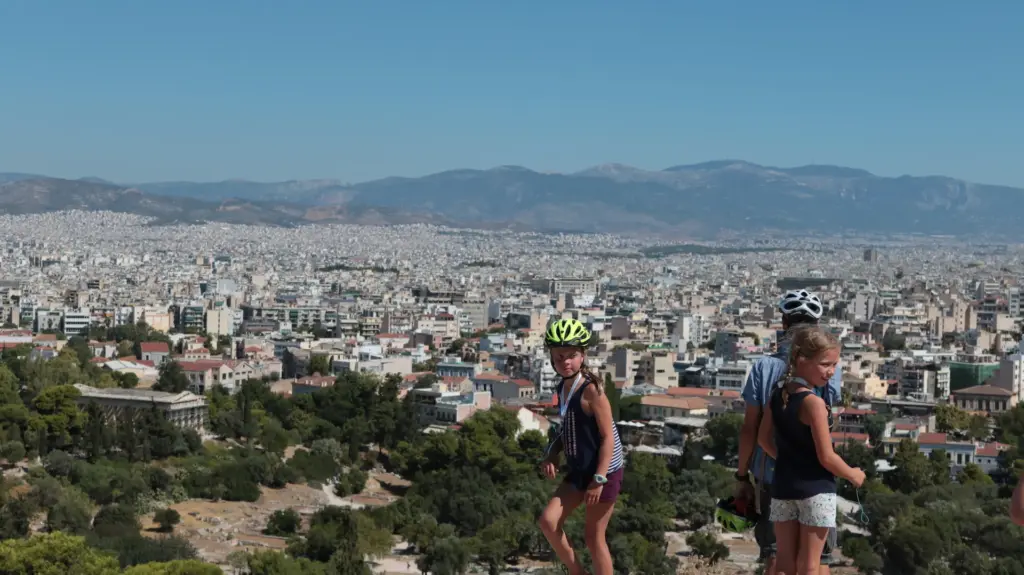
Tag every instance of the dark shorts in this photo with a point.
(764, 531)
(581, 481)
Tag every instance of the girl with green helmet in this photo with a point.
(592, 447)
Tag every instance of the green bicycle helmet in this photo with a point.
(567, 333)
(732, 519)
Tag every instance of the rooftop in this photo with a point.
(137, 394)
(989, 390)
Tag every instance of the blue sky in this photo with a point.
(209, 90)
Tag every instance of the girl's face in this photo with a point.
(819, 369)
(567, 360)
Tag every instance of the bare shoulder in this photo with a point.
(591, 392)
(813, 405)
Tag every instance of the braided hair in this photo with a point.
(593, 376)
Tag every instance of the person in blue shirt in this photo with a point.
(755, 470)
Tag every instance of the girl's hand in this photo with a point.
(857, 477)
(593, 494)
(549, 468)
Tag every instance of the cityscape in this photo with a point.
(511, 288)
(202, 326)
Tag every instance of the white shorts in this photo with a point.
(817, 511)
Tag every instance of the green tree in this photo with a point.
(172, 378)
(80, 345)
(179, 567)
(283, 522)
(913, 470)
(724, 432)
(707, 546)
(320, 363)
(72, 513)
(167, 519)
(54, 554)
(874, 426)
(116, 520)
(12, 452)
(978, 428)
(614, 395)
(864, 557)
(126, 380)
(445, 556)
(1011, 424)
(58, 419)
(971, 473)
(274, 563)
(949, 418)
(350, 483)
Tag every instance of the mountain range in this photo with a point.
(698, 200)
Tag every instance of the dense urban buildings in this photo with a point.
(930, 331)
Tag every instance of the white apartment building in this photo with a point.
(732, 375)
(1013, 298)
(1010, 376)
(692, 329)
(655, 368)
(76, 321)
(442, 325)
(476, 312)
(220, 322)
(924, 382)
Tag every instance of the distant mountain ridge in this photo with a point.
(34, 194)
(697, 199)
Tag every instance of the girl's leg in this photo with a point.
(817, 515)
(812, 541)
(597, 519)
(566, 499)
(787, 541)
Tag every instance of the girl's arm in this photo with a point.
(602, 412)
(814, 414)
(766, 434)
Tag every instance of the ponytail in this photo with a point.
(790, 369)
(593, 377)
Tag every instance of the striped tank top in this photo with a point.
(581, 438)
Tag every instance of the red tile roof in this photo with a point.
(154, 347)
(852, 412)
(200, 365)
(990, 449)
(842, 437)
(491, 376)
(932, 438)
(690, 392)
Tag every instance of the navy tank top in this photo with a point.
(798, 473)
(581, 438)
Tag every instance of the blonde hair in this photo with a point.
(807, 342)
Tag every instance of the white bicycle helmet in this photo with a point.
(801, 302)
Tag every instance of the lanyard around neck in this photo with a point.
(563, 405)
(803, 383)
